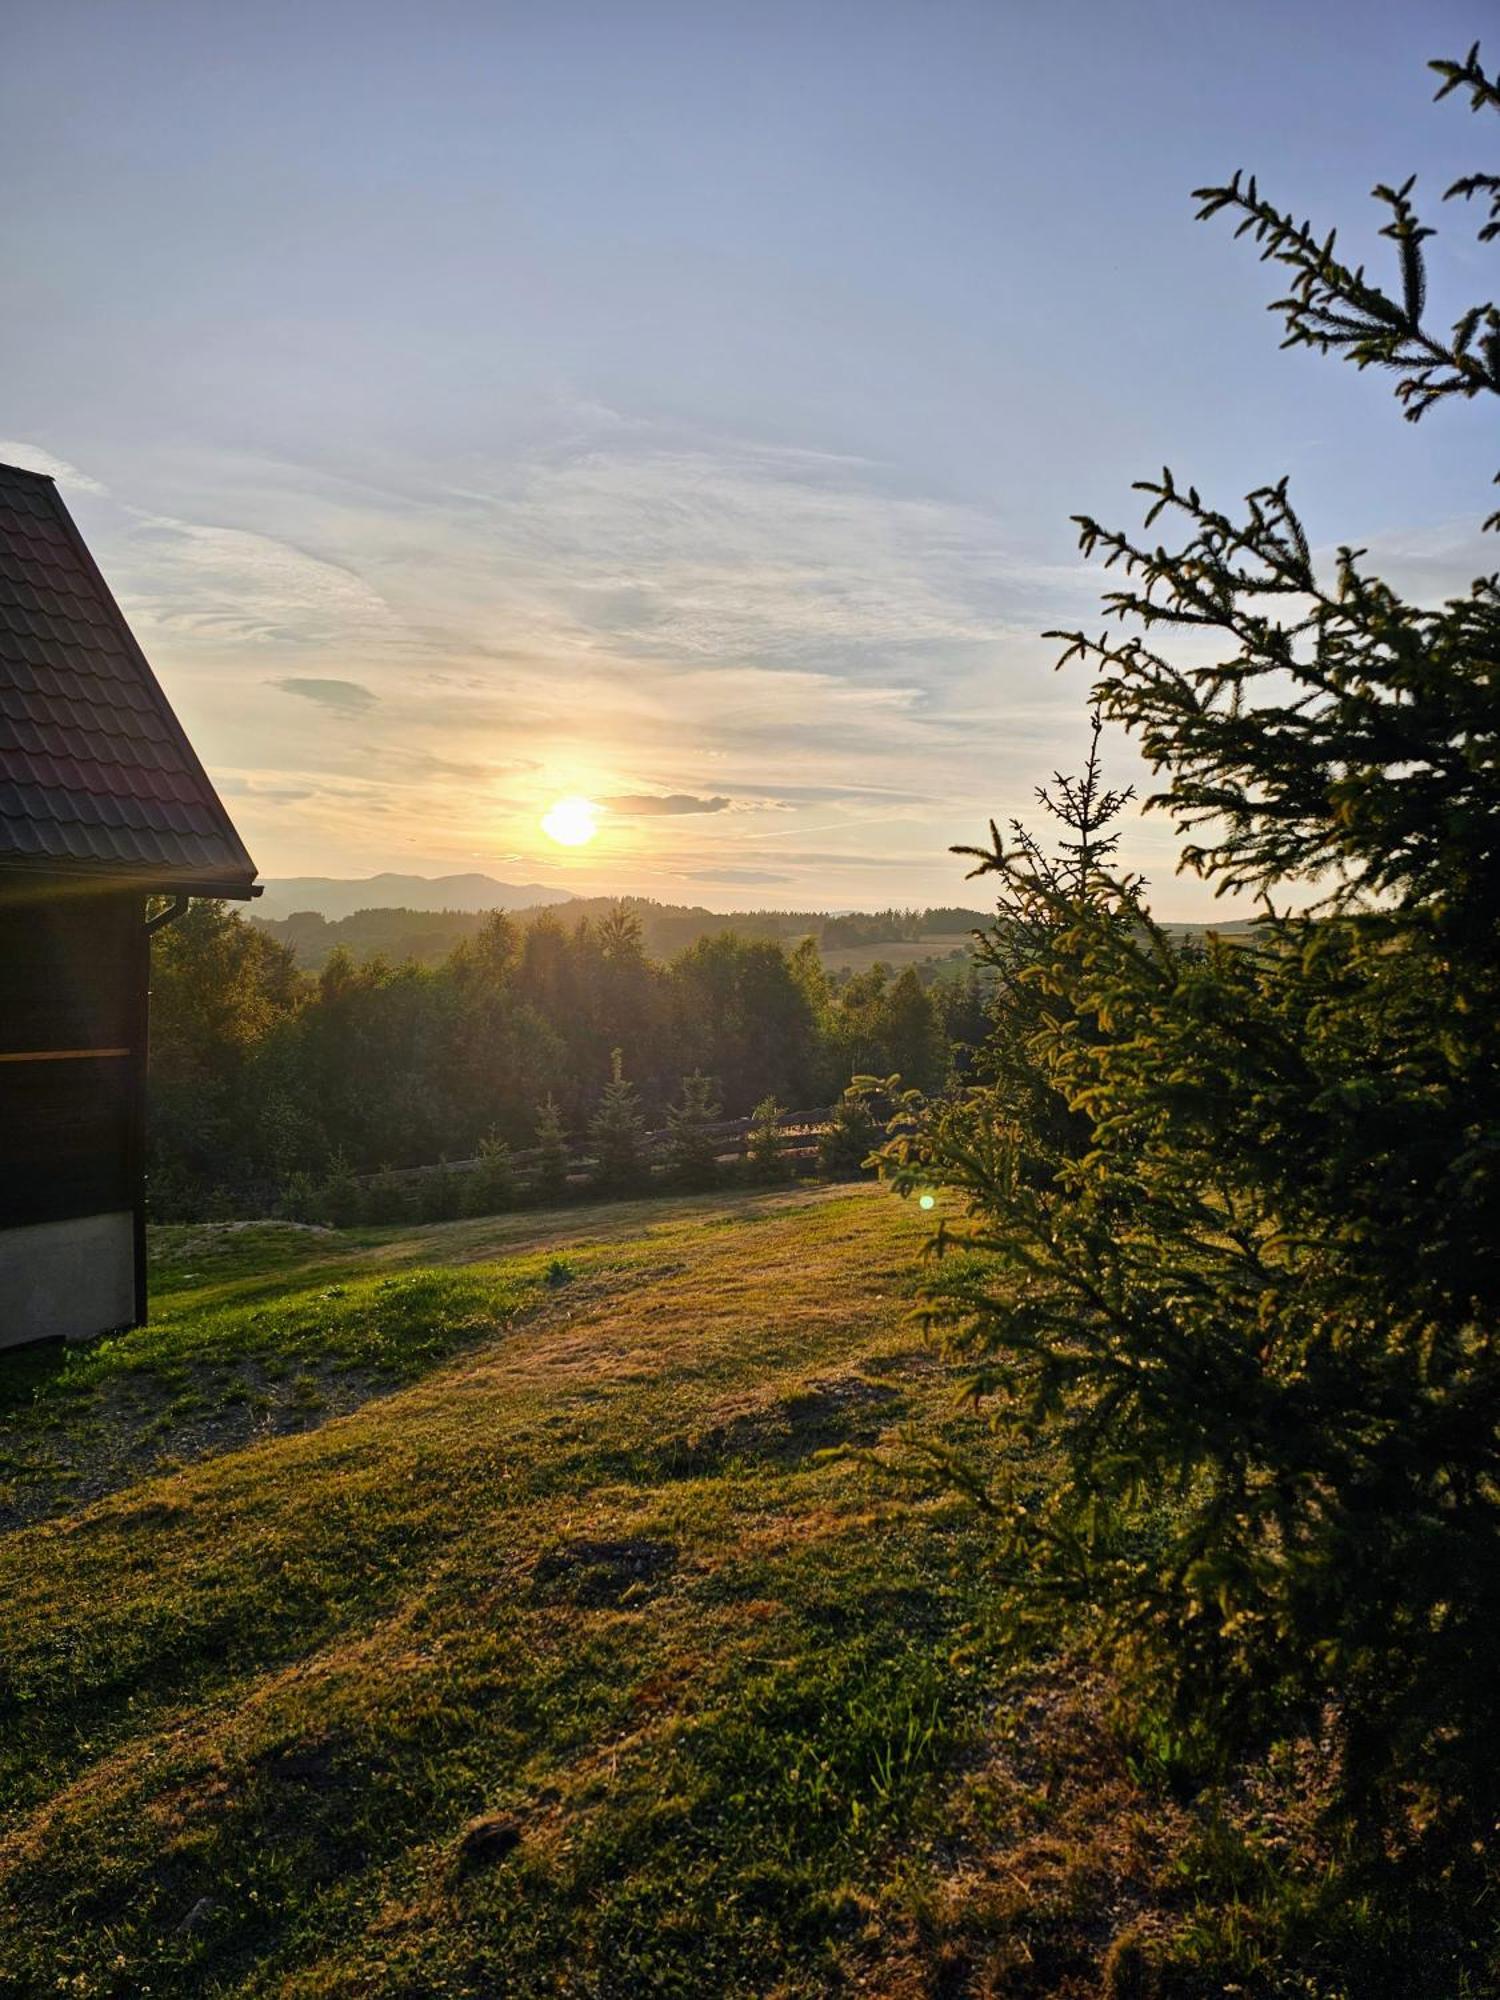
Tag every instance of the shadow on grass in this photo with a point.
(24, 1371)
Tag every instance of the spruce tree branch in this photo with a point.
(1334, 307)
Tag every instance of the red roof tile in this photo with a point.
(96, 775)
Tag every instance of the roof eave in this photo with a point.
(143, 882)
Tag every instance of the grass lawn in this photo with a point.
(505, 1608)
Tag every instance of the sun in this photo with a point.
(571, 822)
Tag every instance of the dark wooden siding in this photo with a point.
(71, 1011)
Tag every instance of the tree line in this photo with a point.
(262, 1075)
(666, 928)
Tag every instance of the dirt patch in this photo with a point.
(485, 1842)
(918, 1363)
(848, 1412)
(596, 1575)
(304, 1763)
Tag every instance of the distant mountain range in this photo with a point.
(333, 898)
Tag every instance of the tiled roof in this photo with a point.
(96, 775)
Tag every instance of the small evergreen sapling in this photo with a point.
(550, 1171)
(492, 1183)
(617, 1130)
(341, 1199)
(765, 1145)
(386, 1198)
(439, 1194)
(692, 1149)
(852, 1133)
(299, 1198)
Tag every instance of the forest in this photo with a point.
(666, 928)
(265, 1077)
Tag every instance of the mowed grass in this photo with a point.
(587, 1648)
(260, 1328)
(593, 1576)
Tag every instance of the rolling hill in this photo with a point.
(334, 897)
(487, 1609)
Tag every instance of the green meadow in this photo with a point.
(556, 1604)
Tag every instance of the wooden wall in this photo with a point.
(73, 971)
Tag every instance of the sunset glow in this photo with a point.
(571, 822)
(753, 528)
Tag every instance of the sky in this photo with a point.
(682, 406)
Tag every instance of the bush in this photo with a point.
(172, 1194)
(219, 1204)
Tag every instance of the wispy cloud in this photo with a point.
(1430, 564)
(611, 615)
(741, 877)
(35, 459)
(786, 558)
(235, 786)
(227, 585)
(668, 805)
(340, 697)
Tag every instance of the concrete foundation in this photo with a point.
(67, 1280)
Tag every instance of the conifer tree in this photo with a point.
(914, 1044)
(692, 1151)
(492, 1187)
(617, 1130)
(386, 1198)
(340, 1198)
(299, 1198)
(439, 1194)
(550, 1173)
(765, 1145)
(852, 1133)
(963, 1006)
(1234, 1212)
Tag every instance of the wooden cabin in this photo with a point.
(104, 812)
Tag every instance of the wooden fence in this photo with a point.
(800, 1132)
